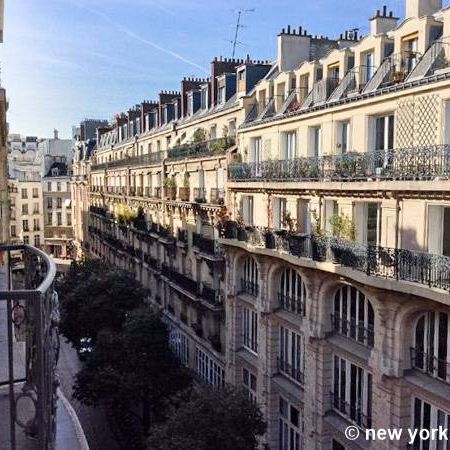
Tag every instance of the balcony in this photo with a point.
(214, 147)
(249, 287)
(157, 192)
(217, 196)
(170, 193)
(139, 191)
(425, 269)
(142, 160)
(30, 316)
(352, 411)
(320, 92)
(419, 163)
(199, 195)
(354, 330)
(206, 245)
(430, 364)
(182, 236)
(292, 304)
(181, 280)
(213, 296)
(184, 194)
(290, 371)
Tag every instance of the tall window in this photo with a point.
(352, 392)
(279, 213)
(26, 240)
(25, 209)
(49, 203)
(292, 292)
(221, 95)
(247, 209)
(37, 240)
(290, 426)
(59, 202)
(384, 132)
(36, 224)
(315, 142)
(428, 417)
(59, 218)
(24, 193)
(249, 280)
(13, 231)
(58, 186)
(249, 382)
(431, 351)
(353, 315)
(25, 225)
(290, 145)
(69, 219)
(35, 193)
(250, 329)
(291, 360)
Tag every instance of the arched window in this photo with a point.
(431, 351)
(249, 280)
(353, 315)
(292, 292)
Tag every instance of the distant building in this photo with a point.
(57, 210)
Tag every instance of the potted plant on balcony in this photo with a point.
(269, 238)
(319, 241)
(344, 232)
(170, 188)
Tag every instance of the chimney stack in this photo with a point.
(382, 22)
(55, 134)
(420, 8)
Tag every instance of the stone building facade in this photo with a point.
(294, 226)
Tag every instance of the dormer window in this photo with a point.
(55, 172)
(221, 95)
(190, 104)
(204, 98)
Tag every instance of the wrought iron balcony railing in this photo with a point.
(396, 264)
(249, 287)
(212, 296)
(353, 410)
(184, 194)
(419, 163)
(142, 160)
(31, 323)
(430, 364)
(353, 329)
(202, 149)
(292, 304)
(206, 245)
(289, 370)
(199, 195)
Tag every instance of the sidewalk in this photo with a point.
(69, 434)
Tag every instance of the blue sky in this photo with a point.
(64, 60)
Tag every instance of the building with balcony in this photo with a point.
(57, 211)
(303, 251)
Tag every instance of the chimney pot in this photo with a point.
(384, 10)
(288, 29)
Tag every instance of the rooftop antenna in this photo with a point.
(238, 27)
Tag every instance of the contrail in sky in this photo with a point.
(138, 38)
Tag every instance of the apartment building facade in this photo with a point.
(307, 258)
(57, 211)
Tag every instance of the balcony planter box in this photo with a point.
(270, 240)
(241, 234)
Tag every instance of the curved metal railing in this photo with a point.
(30, 314)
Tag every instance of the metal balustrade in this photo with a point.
(30, 306)
(417, 163)
(430, 364)
(351, 410)
(289, 370)
(292, 304)
(141, 160)
(390, 263)
(212, 147)
(217, 196)
(200, 195)
(353, 329)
